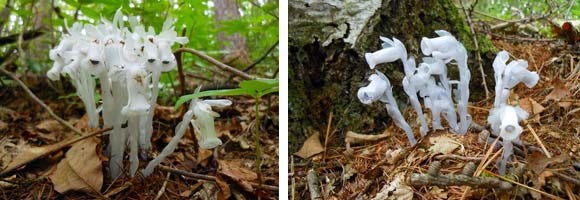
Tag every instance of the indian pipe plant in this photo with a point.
(128, 61)
(429, 81)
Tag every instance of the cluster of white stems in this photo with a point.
(429, 81)
(503, 118)
(127, 61)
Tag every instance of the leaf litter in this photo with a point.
(377, 165)
(43, 168)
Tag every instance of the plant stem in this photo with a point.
(258, 146)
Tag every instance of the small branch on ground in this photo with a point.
(9, 61)
(208, 177)
(433, 177)
(217, 63)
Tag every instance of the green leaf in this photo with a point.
(259, 85)
(228, 92)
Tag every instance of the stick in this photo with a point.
(9, 61)
(313, 185)
(217, 63)
(207, 177)
(162, 190)
(326, 138)
(477, 54)
(538, 139)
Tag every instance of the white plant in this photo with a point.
(503, 118)
(128, 64)
(380, 89)
(203, 123)
(446, 48)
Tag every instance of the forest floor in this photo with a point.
(27, 130)
(382, 166)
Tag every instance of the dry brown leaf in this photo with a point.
(532, 107)
(443, 144)
(203, 155)
(225, 191)
(538, 161)
(49, 126)
(560, 91)
(80, 170)
(311, 146)
(236, 171)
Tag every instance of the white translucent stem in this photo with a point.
(133, 143)
(147, 124)
(507, 152)
(179, 131)
(412, 93)
(464, 76)
(397, 117)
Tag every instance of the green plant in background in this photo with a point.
(254, 88)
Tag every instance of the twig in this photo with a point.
(162, 189)
(179, 62)
(477, 54)
(567, 178)
(293, 182)
(538, 139)
(326, 138)
(458, 157)
(523, 185)
(217, 63)
(9, 61)
(482, 165)
(433, 177)
(118, 189)
(246, 69)
(207, 177)
(313, 185)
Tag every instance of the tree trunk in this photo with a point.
(327, 43)
(235, 44)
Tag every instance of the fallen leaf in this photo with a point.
(560, 91)
(49, 126)
(225, 192)
(80, 170)
(311, 146)
(538, 161)
(203, 155)
(235, 170)
(443, 144)
(532, 107)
